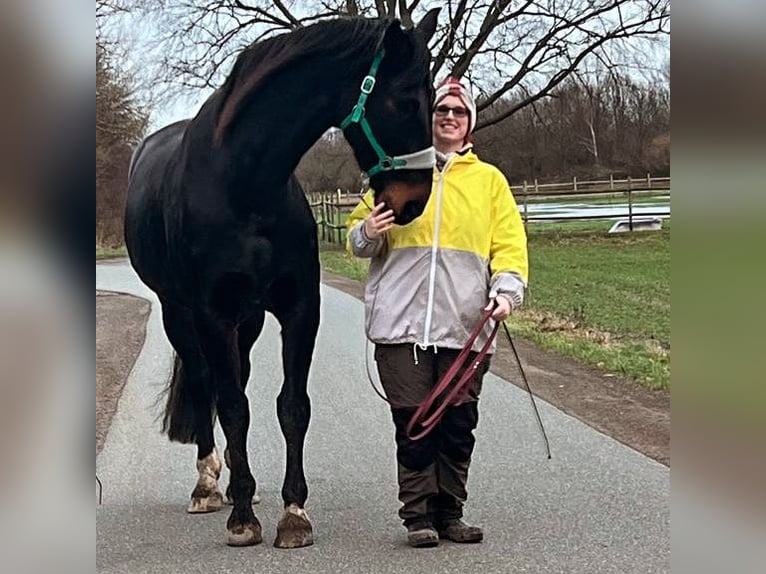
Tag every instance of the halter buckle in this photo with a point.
(368, 83)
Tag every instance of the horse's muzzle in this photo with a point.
(411, 211)
(407, 196)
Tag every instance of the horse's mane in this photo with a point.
(261, 60)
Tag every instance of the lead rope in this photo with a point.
(422, 418)
(538, 418)
(100, 489)
(529, 392)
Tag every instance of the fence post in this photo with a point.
(526, 200)
(649, 181)
(611, 182)
(333, 210)
(630, 204)
(337, 215)
(536, 187)
(574, 183)
(526, 204)
(324, 217)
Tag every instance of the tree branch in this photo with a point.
(286, 13)
(454, 21)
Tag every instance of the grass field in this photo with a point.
(110, 252)
(601, 299)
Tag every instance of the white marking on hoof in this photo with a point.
(205, 504)
(206, 496)
(209, 468)
(298, 511)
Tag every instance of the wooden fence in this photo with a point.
(585, 187)
(331, 209)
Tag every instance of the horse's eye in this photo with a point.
(408, 107)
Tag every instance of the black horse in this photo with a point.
(217, 225)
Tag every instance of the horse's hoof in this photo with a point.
(294, 529)
(204, 503)
(245, 535)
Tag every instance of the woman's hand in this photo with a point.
(378, 222)
(502, 306)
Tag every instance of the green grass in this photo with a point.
(338, 261)
(601, 299)
(110, 252)
(567, 228)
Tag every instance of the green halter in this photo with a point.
(385, 161)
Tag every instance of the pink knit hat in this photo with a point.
(452, 86)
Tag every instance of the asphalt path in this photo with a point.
(597, 506)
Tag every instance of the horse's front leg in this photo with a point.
(299, 328)
(219, 344)
(247, 333)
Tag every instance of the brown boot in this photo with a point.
(422, 535)
(458, 531)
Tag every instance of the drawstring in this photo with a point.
(422, 348)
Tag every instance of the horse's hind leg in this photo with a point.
(189, 415)
(299, 328)
(247, 333)
(221, 350)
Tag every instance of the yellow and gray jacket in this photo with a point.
(429, 280)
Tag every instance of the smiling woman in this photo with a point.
(429, 281)
(454, 116)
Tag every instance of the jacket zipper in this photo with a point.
(434, 248)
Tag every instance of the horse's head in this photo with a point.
(396, 106)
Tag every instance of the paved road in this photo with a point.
(598, 506)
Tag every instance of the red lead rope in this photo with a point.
(426, 422)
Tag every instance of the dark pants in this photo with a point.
(432, 471)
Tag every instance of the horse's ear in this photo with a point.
(427, 26)
(395, 39)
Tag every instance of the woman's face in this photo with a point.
(450, 123)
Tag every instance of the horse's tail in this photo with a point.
(189, 404)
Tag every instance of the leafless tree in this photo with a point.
(120, 123)
(514, 49)
(329, 165)
(626, 120)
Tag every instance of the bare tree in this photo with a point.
(329, 165)
(120, 123)
(517, 49)
(626, 120)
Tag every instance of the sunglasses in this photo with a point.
(458, 112)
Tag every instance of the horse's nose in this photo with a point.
(410, 211)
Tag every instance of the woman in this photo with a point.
(428, 283)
